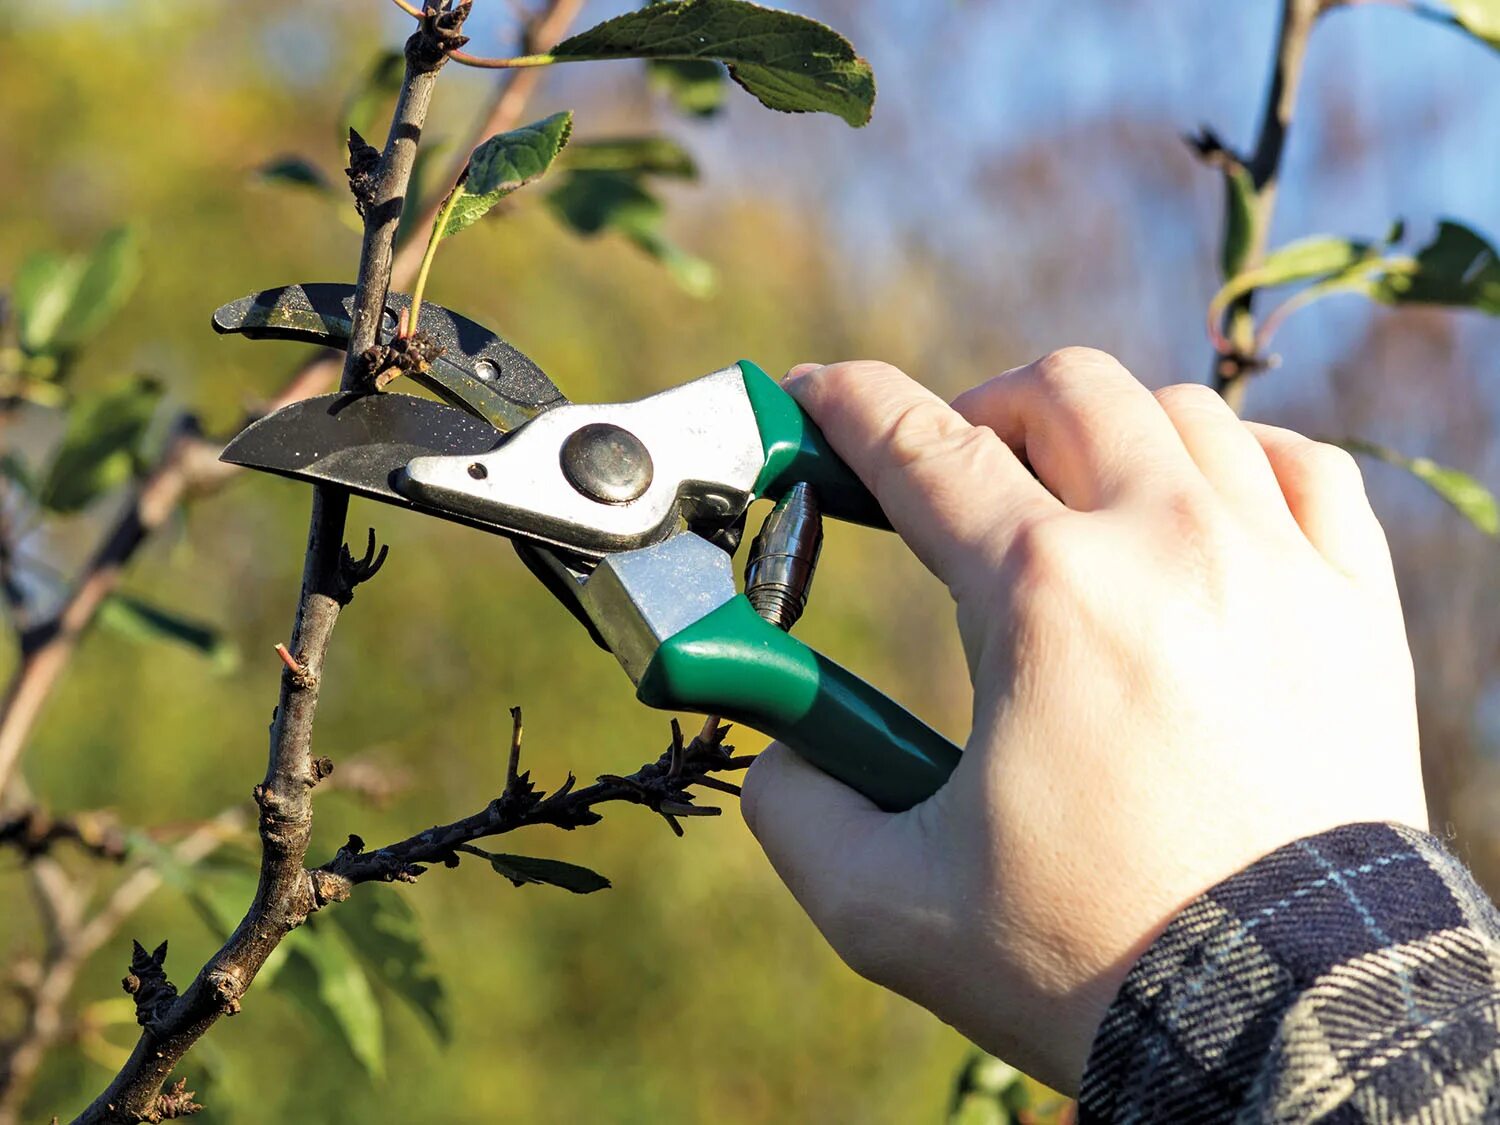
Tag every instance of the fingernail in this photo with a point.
(798, 373)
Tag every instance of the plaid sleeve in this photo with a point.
(1352, 976)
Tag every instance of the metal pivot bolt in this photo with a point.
(606, 463)
(784, 557)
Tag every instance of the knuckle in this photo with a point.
(1042, 554)
(1189, 396)
(1066, 365)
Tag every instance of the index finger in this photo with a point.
(951, 490)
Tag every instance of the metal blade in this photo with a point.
(359, 442)
(477, 371)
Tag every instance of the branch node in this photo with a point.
(1211, 149)
(438, 33)
(363, 172)
(353, 572)
(301, 676)
(147, 982)
(175, 1102)
(318, 770)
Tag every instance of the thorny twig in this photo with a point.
(663, 786)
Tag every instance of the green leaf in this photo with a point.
(141, 621)
(43, 289)
(591, 202)
(523, 869)
(504, 163)
(324, 978)
(788, 62)
(295, 171)
(1465, 494)
(380, 83)
(385, 932)
(696, 86)
(1458, 267)
(13, 469)
(648, 156)
(109, 276)
(1303, 260)
(101, 446)
(63, 300)
(1480, 18)
(1239, 219)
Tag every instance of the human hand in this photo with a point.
(1186, 648)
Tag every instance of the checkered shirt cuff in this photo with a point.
(1348, 977)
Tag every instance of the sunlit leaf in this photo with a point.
(295, 171)
(649, 156)
(386, 933)
(101, 445)
(62, 300)
(379, 84)
(788, 62)
(1465, 494)
(523, 869)
(1458, 267)
(143, 622)
(696, 86)
(43, 288)
(1480, 18)
(592, 202)
(1303, 260)
(504, 163)
(325, 979)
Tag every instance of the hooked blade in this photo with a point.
(477, 370)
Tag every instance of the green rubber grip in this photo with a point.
(733, 663)
(797, 451)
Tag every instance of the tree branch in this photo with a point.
(284, 897)
(662, 786)
(1231, 372)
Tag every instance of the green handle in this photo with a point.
(733, 663)
(797, 451)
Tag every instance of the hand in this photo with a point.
(1186, 649)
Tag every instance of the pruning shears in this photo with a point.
(627, 512)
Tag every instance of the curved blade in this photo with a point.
(359, 441)
(477, 370)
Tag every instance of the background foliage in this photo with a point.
(1052, 202)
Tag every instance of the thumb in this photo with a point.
(948, 487)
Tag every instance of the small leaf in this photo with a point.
(109, 275)
(379, 84)
(141, 621)
(1457, 267)
(324, 978)
(788, 62)
(523, 869)
(295, 171)
(1239, 218)
(1465, 494)
(63, 300)
(1480, 18)
(591, 202)
(101, 445)
(696, 86)
(650, 156)
(504, 163)
(43, 289)
(385, 932)
(1303, 260)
